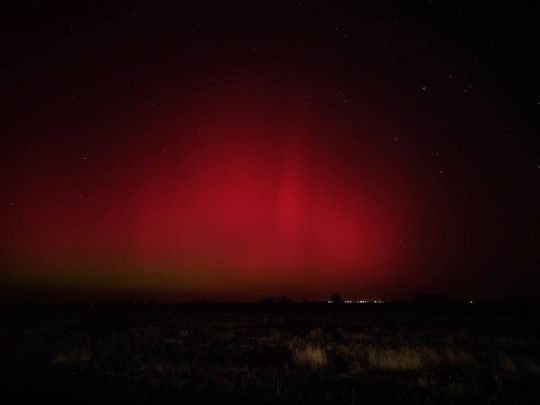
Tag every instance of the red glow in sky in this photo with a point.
(235, 199)
(188, 151)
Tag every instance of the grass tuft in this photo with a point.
(311, 357)
(394, 359)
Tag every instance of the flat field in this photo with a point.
(271, 354)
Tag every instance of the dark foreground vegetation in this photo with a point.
(291, 354)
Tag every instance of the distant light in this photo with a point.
(471, 302)
(358, 302)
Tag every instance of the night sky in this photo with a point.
(236, 150)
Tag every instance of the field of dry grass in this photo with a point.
(278, 354)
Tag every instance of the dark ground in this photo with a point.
(249, 353)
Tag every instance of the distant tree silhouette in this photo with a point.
(284, 300)
(336, 298)
(268, 300)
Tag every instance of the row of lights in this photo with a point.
(359, 302)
